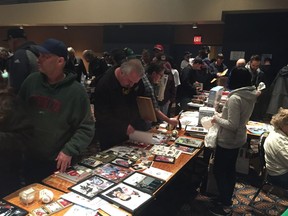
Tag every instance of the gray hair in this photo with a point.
(132, 65)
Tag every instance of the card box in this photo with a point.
(90, 162)
(8, 209)
(165, 159)
(126, 197)
(112, 172)
(75, 173)
(146, 183)
(189, 141)
(90, 187)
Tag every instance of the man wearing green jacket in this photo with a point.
(60, 110)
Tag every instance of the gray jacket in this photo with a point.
(235, 115)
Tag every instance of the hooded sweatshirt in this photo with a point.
(61, 116)
(235, 115)
(279, 95)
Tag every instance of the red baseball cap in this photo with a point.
(159, 47)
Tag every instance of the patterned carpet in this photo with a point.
(264, 205)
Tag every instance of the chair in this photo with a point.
(263, 171)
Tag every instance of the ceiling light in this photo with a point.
(194, 26)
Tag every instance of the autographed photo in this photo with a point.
(127, 197)
(143, 182)
(112, 172)
(90, 187)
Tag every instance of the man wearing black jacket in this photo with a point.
(24, 59)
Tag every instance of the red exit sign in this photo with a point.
(197, 39)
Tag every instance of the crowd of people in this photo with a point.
(45, 114)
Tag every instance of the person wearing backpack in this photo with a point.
(24, 59)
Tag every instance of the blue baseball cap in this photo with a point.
(53, 46)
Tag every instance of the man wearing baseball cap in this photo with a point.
(60, 110)
(24, 59)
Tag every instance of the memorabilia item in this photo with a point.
(126, 197)
(185, 149)
(158, 173)
(144, 182)
(8, 209)
(53, 207)
(144, 164)
(189, 141)
(105, 157)
(27, 196)
(75, 173)
(112, 172)
(122, 162)
(165, 150)
(64, 203)
(90, 187)
(165, 159)
(194, 129)
(46, 195)
(41, 211)
(90, 162)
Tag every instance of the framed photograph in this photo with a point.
(165, 159)
(90, 162)
(113, 172)
(7, 209)
(126, 197)
(122, 162)
(90, 187)
(105, 157)
(189, 141)
(144, 182)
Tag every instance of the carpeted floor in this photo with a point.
(266, 204)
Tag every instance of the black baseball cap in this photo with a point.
(53, 46)
(15, 33)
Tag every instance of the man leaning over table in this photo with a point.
(60, 111)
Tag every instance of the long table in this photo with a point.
(61, 186)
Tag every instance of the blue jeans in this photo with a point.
(225, 173)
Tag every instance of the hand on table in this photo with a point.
(63, 161)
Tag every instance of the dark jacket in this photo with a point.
(15, 134)
(23, 62)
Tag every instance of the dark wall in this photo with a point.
(257, 33)
(138, 37)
